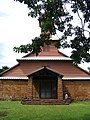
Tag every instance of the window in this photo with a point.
(48, 89)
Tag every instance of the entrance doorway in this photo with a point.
(48, 88)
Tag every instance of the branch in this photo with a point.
(82, 24)
(80, 20)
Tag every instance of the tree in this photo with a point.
(3, 68)
(89, 69)
(58, 15)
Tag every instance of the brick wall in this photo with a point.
(78, 90)
(60, 89)
(17, 89)
(13, 89)
(30, 89)
(36, 89)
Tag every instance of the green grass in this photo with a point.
(13, 110)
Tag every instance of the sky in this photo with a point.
(17, 28)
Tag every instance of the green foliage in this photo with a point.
(54, 15)
(3, 68)
(89, 69)
(35, 47)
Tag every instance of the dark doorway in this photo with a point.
(48, 88)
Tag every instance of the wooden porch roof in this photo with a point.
(45, 69)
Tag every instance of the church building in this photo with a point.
(45, 79)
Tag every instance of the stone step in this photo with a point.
(42, 102)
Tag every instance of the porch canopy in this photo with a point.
(45, 72)
(45, 83)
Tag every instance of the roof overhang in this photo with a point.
(13, 78)
(76, 78)
(26, 78)
(44, 58)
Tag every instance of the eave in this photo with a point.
(44, 58)
(13, 78)
(76, 78)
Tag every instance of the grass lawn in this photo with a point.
(14, 110)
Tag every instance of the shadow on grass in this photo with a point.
(86, 117)
(3, 113)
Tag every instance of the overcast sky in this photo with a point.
(16, 28)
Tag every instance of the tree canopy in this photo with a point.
(89, 69)
(3, 68)
(58, 15)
